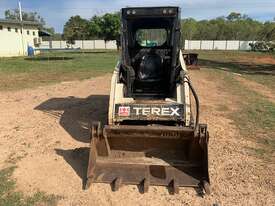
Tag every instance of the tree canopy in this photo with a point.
(76, 28)
(105, 27)
(14, 14)
(233, 27)
(109, 26)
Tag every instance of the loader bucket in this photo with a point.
(149, 155)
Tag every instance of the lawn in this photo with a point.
(53, 67)
(256, 66)
(255, 117)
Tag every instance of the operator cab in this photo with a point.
(150, 41)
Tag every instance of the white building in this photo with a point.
(14, 41)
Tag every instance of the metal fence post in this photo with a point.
(213, 45)
(225, 44)
(239, 45)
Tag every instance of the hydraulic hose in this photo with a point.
(197, 104)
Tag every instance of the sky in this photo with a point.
(57, 12)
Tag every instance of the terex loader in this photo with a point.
(152, 136)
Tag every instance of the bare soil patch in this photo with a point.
(259, 60)
(257, 87)
(265, 60)
(47, 128)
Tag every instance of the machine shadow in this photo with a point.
(45, 58)
(76, 114)
(78, 160)
(87, 52)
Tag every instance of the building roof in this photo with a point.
(44, 33)
(17, 22)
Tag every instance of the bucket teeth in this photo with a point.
(206, 187)
(174, 186)
(146, 184)
(117, 184)
(88, 184)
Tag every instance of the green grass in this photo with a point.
(53, 67)
(255, 117)
(267, 80)
(254, 66)
(10, 197)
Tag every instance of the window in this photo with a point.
(1, 27)
(16, 30)
(151, 37)
(9, 29)
(28, 32)
(33, 33)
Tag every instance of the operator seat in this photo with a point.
(150, 68)
(150, 75)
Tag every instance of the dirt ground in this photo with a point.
(44, 131)
(258, 60)
(259, 88)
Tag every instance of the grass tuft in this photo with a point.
(10, 197)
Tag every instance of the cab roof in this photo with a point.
(144, 12)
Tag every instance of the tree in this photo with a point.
(14, 14)
(189, 28)
(95, 27)
(268, 32)
(110, 26)
(106, 27)
(233, 16)
(235, 26)
(76, 28)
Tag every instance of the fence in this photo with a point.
(82, 44)
(217, 45)
(188, 45)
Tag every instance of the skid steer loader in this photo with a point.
(152, 137)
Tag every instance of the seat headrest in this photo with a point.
(150, 67)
